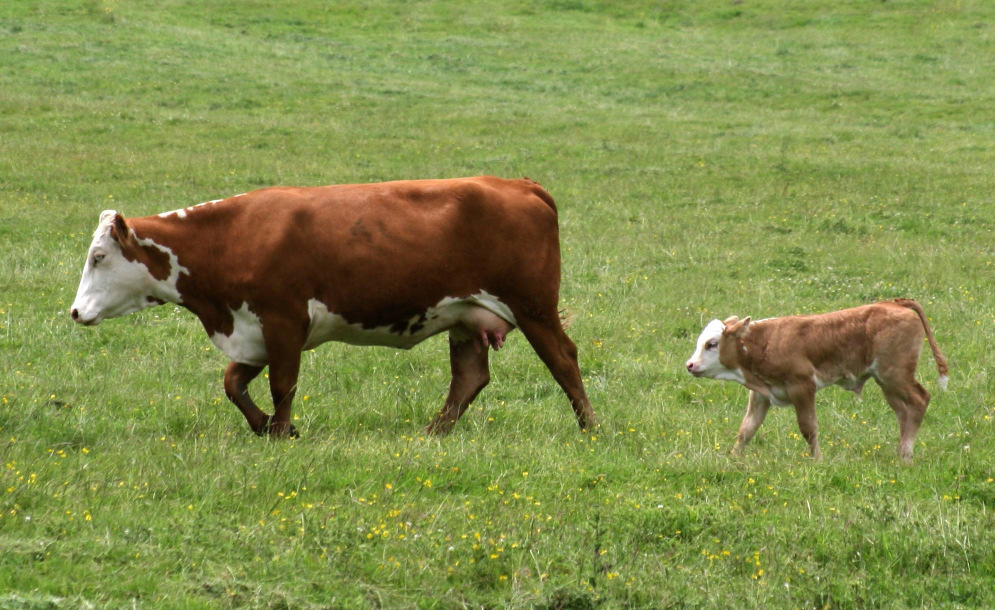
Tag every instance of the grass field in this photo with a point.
(708, 158)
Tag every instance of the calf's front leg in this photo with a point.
(756, 411)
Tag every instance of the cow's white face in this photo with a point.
(705, 360)
(111, 285)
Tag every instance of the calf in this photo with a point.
(280, 270)
(786, 360)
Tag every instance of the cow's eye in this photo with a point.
(97, 258)
(712, 344)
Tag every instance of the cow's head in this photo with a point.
(717, 353)
(116, 277)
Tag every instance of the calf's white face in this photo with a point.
(705, 360)
(111, 285)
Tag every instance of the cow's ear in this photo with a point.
(730, 321)
(737, 327)
(119, 229)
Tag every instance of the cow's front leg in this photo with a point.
(283, 348)
(803, 399)
(756, 411)
(237, 378)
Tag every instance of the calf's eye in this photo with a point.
(712, 344)
(97, 258)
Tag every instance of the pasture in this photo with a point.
(710, 158)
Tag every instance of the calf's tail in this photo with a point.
(941, 362)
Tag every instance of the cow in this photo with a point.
(784, 361)
(280, 270)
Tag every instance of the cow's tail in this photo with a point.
(941, 362)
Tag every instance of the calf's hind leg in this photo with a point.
(909, 405)
(468, 362)
(907, 398)
(237, 378)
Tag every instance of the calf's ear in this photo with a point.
(737, 327)
(730, 321)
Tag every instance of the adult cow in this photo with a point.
(280, 270)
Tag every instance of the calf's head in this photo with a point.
(716, 355)
(116, 277)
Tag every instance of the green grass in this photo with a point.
(708, 158)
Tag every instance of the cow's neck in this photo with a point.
(203, 285)
(171, 242)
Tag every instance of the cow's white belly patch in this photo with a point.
(447, 313)
(245, 344)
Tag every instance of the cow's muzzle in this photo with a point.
(74, 314)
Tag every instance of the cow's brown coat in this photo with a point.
(376, 254)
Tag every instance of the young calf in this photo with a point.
(786, 360)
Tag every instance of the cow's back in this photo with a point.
(372, 252)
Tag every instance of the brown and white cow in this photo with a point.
(784, 361)
(280, 270)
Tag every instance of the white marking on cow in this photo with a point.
(245, 344)
(182, 212)
(166, 289)
(447, 313)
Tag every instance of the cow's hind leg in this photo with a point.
(237, 378)
(468, 361)
(559, 354)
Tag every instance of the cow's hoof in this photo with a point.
(289, 431)
(440, 428)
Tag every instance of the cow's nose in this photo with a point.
(74, 314)
(690, 366)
